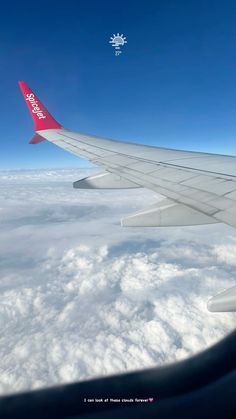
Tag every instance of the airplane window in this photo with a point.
(116, 231)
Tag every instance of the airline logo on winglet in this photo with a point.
(35, 107)
(40, 115)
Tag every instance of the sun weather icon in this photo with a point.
(117, 42)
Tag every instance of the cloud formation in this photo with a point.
(82, 296)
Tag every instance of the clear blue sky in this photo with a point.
(174, 85)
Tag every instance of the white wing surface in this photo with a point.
(203, 183)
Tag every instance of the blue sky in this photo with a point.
(174, 85)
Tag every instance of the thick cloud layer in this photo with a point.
(82, 296)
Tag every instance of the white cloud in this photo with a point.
(226, 253)
(82, 296)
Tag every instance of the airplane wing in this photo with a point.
(199, 188)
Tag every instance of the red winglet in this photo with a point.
(40, 115)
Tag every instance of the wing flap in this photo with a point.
(165, 214)
(227, 217)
